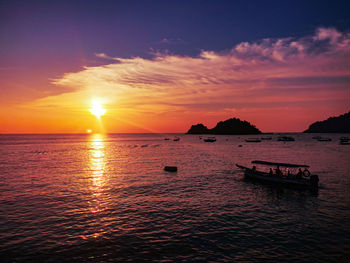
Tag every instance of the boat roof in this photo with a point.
(280, 164)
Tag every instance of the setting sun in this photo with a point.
(97, 109)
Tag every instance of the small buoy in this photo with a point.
(240, 145)
(170, 168)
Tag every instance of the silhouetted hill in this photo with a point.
(232, 126)
(198, 129)
(340, 124)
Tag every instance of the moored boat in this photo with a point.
(210, 139)
(344, 141)
(301, 179)
(321, 139)
(170, 168)
(285, 139)
(253, 140)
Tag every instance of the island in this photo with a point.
(232, 126)
(339, 124)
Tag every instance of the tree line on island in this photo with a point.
(339, 124)
(234, 126)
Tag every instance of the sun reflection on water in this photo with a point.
(97, 168)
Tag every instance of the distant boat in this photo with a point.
(253, 140)
(324, 139)
(344, 141)
(266, 138)
(166, 139)
(210, 139)
(285, 139)
(176, 139)
(170, 168)
(304, 179)
(316, 137)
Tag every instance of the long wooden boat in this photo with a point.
(307, 180)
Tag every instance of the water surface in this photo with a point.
(98, 197)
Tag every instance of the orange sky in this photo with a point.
(279, 85)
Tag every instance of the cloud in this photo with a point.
(165, 40)
(173, 41)
(330, 34)
(263, 74)
(104, 56)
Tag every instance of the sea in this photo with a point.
(107, 198)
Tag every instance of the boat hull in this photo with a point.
(266, 177)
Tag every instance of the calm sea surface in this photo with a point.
(74, 198)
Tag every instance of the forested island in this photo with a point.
(232, 126)
(339, 124)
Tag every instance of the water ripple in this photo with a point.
(106, 198)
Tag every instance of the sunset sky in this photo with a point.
(161, 66)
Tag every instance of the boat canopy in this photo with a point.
(280, 164)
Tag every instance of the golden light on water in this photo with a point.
(97, 109)
(97, 162)
(97, 167)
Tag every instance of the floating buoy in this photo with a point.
(170, 168)
(240, 145)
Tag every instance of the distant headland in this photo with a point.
(339, 124)
(232, 126)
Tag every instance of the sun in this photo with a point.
(97, 109)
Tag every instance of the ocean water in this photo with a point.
(99, 198)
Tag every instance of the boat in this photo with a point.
(285, 139)
(344, 141)
(170, 168)
(176, 139)
(166, 139)
(303, 179)
(324, 139)
(210, 139)
(316, 137)
(266, 138)
(253, 140)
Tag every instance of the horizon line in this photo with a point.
(111, 133)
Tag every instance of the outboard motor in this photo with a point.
(314, 180)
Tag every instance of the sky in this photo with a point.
(161, 66)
